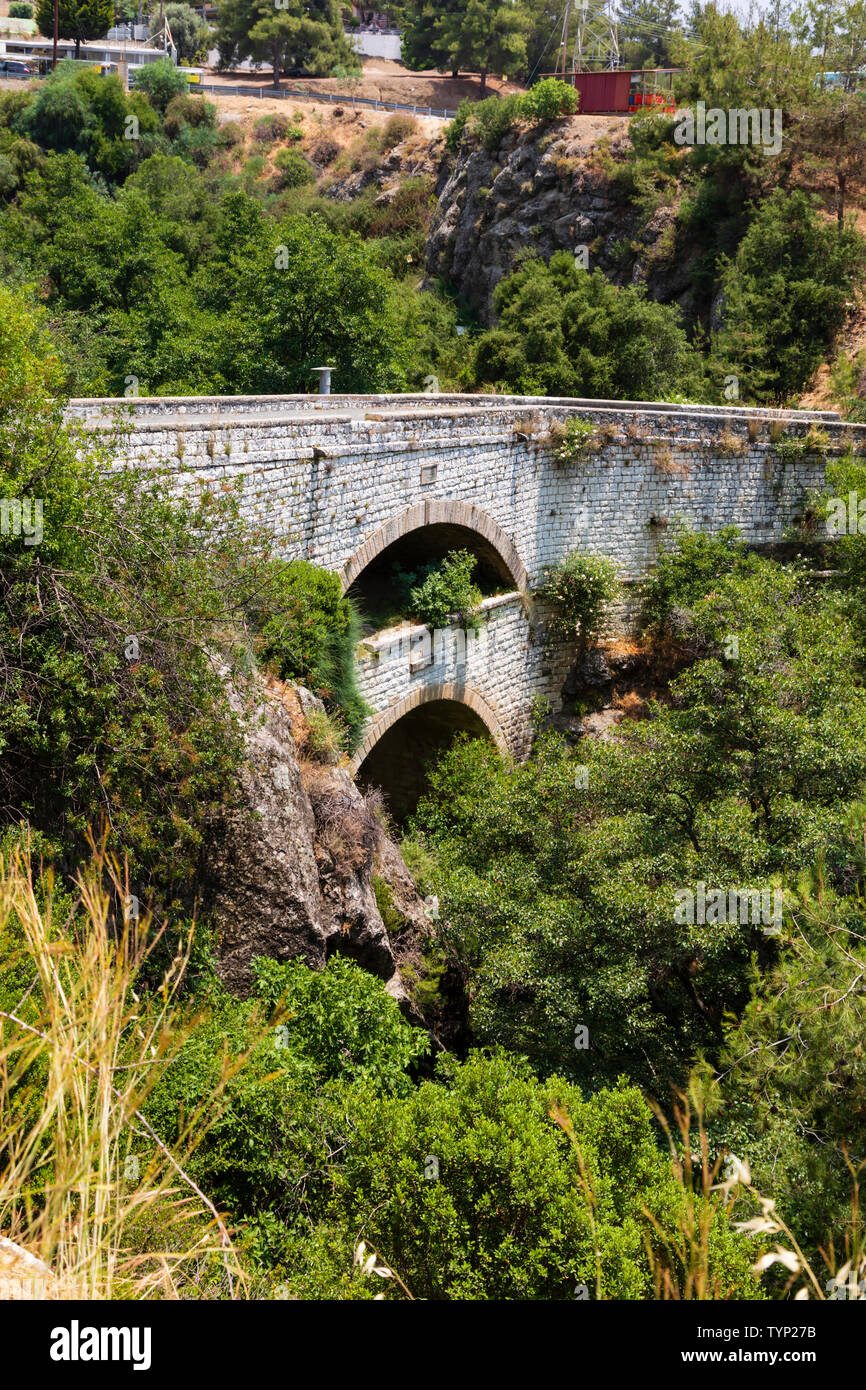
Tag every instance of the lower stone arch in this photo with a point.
(432, 512)
(454, 691)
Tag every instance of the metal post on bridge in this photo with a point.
(324, 379)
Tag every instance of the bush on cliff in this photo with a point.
(112, 713)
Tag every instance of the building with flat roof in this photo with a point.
(120, 53)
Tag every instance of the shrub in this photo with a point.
(570, 441)
(397, 129)
(160, 82)
(230, 134)
(487, 1184)
(272, 1057)
(270, 128)
(310, 631)
(294, 170)
(447, 589)
(20, 9)
(189, 111)
(577, 590)
(113, 712)
(491, 119)
(548, 100)
(325, 151)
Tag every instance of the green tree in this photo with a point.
(647, 29)
(488, 36)
(189, 32)
(302, 36)
(161, 82)
(831, 132)
(425, 40)
(485, 36)
(559, 890)
(77, 19)
(319, 298)
(785, 296)
(565, 332)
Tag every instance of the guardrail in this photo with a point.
(332, 98)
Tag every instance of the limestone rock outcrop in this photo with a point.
(547, 190)
(288, 871)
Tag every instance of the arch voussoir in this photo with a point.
(432, 512)
(456, 691)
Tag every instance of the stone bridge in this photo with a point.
(356, 484)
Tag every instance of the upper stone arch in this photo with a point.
(437, 511)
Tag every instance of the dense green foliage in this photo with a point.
(309, 632)
(560, 890)
(470, 1190)
(112, 708)
(114, 713)
(444, 590)
(563, 331)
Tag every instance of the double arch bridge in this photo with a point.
(375, 486)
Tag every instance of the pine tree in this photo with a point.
(479, 36)
(77, 19)
(296, 36)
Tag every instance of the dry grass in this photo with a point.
(664, 461)
(633, 705)
(730, 443)
(88, 1190)
(348, 827)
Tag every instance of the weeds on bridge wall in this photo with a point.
(577, 590)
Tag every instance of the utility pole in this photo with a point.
(565, 33)
(56, 31)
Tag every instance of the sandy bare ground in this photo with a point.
(383, 80)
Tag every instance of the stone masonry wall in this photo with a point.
(338, 478)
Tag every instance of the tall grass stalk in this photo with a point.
(85, 1183)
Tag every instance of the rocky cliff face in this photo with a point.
(290, 871)
(547, 191)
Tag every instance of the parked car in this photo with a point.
(15, 67)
